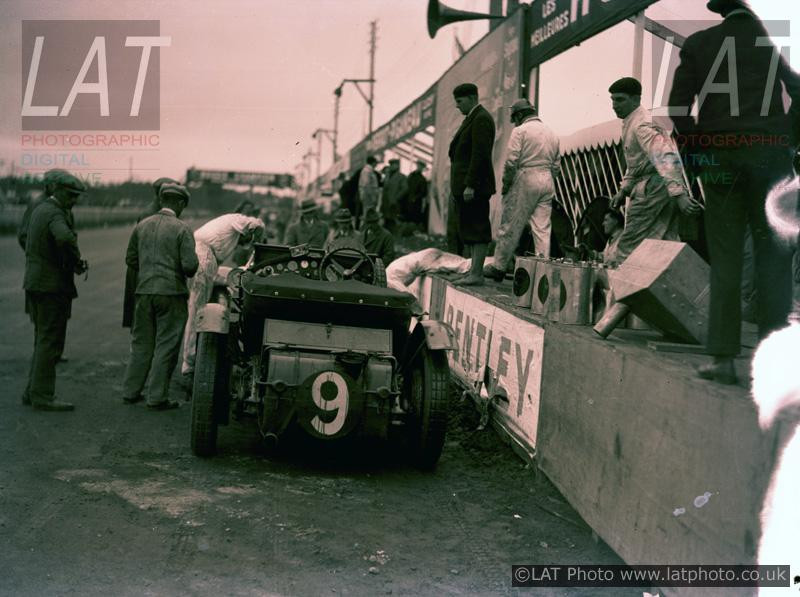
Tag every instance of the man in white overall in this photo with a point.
(532, 163)
(215, 242)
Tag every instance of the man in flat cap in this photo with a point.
(52, 259)
(49, 186)
(532, 163)
(309, 229)
(743, 140)
(161, 250)
(653, 179)
(472, 178)
(129, 296)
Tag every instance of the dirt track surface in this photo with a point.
(108, 500)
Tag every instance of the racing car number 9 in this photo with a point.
(331, 406)
(336, 398)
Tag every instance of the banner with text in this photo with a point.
(557, 25)
(501, 353)
(409, 121)
(259, 179)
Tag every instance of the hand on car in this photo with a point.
(687, 204)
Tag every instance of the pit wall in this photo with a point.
(666, 468)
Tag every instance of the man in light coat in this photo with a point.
(654, 178)
(532, 163)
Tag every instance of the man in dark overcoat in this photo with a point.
(472, 178)
(52, 259)
(744, 139)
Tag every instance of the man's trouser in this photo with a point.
(49, 313)
(455, 244)
(529, 201)
(736, 189)
(200, 287)
(158, 323)
(650, 213)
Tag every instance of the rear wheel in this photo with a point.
(430, 395)
(206, 394)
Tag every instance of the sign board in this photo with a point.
(557, 25)
(494, 65)
(259, 179)
(416, 117)
(506, 351)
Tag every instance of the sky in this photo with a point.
(245, 83)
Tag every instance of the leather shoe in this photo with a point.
(721, 372)
(470, 281)
(495, 274)
(132, 399)
(54, 406)
(166, 405)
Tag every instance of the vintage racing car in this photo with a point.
(300, 336)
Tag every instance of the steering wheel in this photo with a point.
(333, 268)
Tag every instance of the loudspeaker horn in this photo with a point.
(440, 15)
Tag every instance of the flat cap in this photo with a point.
(627, 85)
(70, 182)
(465, 90)
(52, 175)
(521, 105)
(160, 181)
(174, 189)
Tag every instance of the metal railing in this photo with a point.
(588, 173)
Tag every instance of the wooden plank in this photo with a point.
(630, 438)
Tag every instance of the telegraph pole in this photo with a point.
(338, 95)
(373, 39)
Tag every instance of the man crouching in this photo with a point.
(161, 250)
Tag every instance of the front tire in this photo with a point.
(430, 397)
(205, 393)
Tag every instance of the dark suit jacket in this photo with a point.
(379, 242)
(129, 296)
(752, 68)
(51, 250)
(471, 154)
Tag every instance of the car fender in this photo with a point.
(438, 335)
(213, 317)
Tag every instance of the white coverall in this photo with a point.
(215, 242)
(532, 163)
(652, 180)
